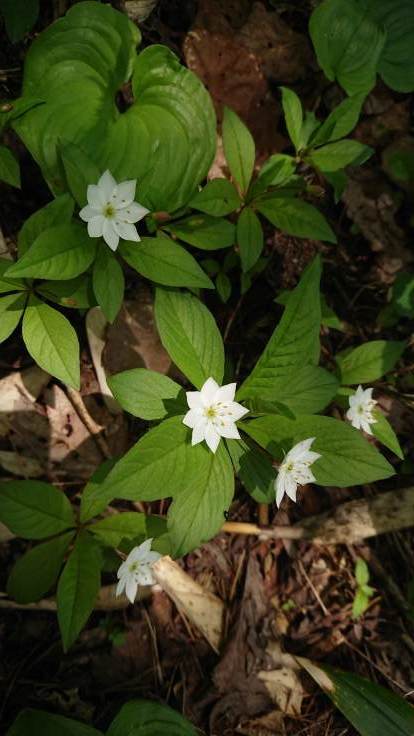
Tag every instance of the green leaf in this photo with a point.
(19, 17)
(361, 572)
(190, 335)
(57, 212)
(348, 43)
(60, 252)
(80, 171)
(148, 719)
(147, 394)
(369, 361)
(295, 217)
(338, 180)
(203, 231)
(396, 61)
(360, 603)
(165, 262)
(336, 156)
(223, 286)
(295, 341)
(78, 588)
(92, 501)
(219, 197)
(75, 293)
(52, 342)
(9, 168)
(347, 459)
(41, 723)
(11, 310)
(158, 465)
(34, 510)
(340, 122)
(249, 238)
(197, 511)
(277, 170)
(108, 283)
(371, 709)
(383, 431)
(14, 109)
(239, 149)
(254, 469)
(165, 139)
(35, 573)
(116, 527)
(308, 390)
(6, 284)
(292, 109)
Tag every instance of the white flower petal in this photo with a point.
(121, 586)
(299, 450)
(194, 399)
(145, 576)
(124, 193)
(126, 231)
(226, 393)
(110, 236)
(87, 213)
(153, 557)
(280, 487)
(131, 589)
(199, 431)
(95, 196)
(192, 418)
(237, 411)
(133, 213)
(208, 391)
(229, 431)
(142, 550)
(96, 226)
(212, 437)
(107, 185)
(290, 487)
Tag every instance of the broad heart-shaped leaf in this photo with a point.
(190, 335)
(369, 361)
(19, 16)
(203, 231)
(249, 238)
(127, 525)
(308, 389)
(8, 285)
(144, 718)
(9, 168)
(166, 139)
(51, 341)
(383, 431)
(165, 262)
(92, 502)
(34, 510)
(338, 155)
(197, 511)
(58, 212)
(60, 252)
(295, 341)
(395, 65)
(341, 121)
(78, 587)
(292, 109)
(347, 459)
(11, 310)
(219, 197)
(35, 573)
(147, 394)
(156, 467)
(12, 110)
(372, 709)
(239, 149)
(41, 723)
(80, 171)
(295, 217)
(254, 468)
(108, 282)
(348, 43)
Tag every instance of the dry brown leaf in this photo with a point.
(27, 467)
(285, 689)
(20, 388)
(96, 329)
(271, 724)
(203, 609)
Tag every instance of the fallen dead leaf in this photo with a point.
(18, 464)
(96, 330)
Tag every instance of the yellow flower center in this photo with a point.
(109, 210)
(211, 412)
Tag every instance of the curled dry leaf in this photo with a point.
(96, 328)
(17, 464)
(202, 608)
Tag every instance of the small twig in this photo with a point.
(263, 514)
(106, 601)
(312, 587)
(275, 532)
(90, 424)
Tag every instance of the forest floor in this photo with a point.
(278, 593)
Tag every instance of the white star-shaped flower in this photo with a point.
(360, 409)
(111, 210)
(295, 470)
(136, 570)
(213, 413)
